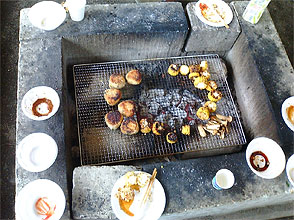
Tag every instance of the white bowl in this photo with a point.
(47, 15)
(36, 93)
(36, 152)
(274, 153)
(290, 169)
(288, 102)
(30, 193)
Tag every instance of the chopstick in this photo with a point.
(217, 13)
(147, 193)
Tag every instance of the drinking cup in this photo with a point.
(224, 179)
(76, 9)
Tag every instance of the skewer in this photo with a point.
(147, 193)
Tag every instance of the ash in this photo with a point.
(173, 107)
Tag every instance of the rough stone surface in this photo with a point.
(115, 18)
(92, 189)
(203, 37)
(272, 70)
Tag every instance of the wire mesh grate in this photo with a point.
(100, 145)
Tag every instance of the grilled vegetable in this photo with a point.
(157, 128)
(184, 70)
(205, 74)
(210, 105)
(145, 126)
(223, 117)
(173, 69)
(201, 131)
(204, 65)
(200, 82)
(186, 129)
(214, 95)
(211, 85)
(203, 113)
(171, 137)
(194, 68)
(193, 76)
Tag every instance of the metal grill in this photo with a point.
(100, 145)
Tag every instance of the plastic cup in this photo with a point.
(76, 9)
(223, 179)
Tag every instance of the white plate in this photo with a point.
(222, 7)
(47, 15)
(290, 169)
(274, 153)
(38, 93)
(28, 196)
(36, 152)
(153, 208)
(289, 101)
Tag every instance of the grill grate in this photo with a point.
(99, 144)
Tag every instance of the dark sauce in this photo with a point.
(40, 101)
(262, 157)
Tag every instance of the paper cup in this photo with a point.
(76, 9)
(290, 170)
(224, 179)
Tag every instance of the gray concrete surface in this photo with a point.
(203, 37)
(9, 50)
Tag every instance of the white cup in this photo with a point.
(76, 9)
(223, 179)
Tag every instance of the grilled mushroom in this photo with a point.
(205, 74)
(194, 68)
(201, 130)
(214, 95)
(171, 137)
(204, 65)
(157, 128)
(193, 76)
(173, 69)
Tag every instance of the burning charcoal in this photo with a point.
(176, 99)
(154, 108)
(153, 93)
(178, 112)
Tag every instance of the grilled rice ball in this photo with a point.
(203, 113)
(214, 95)
(173, 69)
(186, 129)
(117, 81)
(200, 82)
(210, 105)
(211, 85)
(129, 126)
(184, 70)
(145, 126)
(113, 119)
(157, 128)
(171, 137)
(127, 108)
(134, 77)
(112, 96)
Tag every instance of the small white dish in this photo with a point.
(153, 208)
(274, 154)
(286, 104)
(290, 169)
(47, 15)
(38, 93)
(36, 152)
(223, 6)
(30, 193)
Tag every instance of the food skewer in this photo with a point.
(147, 193)
(212, 7)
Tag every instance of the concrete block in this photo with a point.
(203, 37)
(149, 17)
(92, 189)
